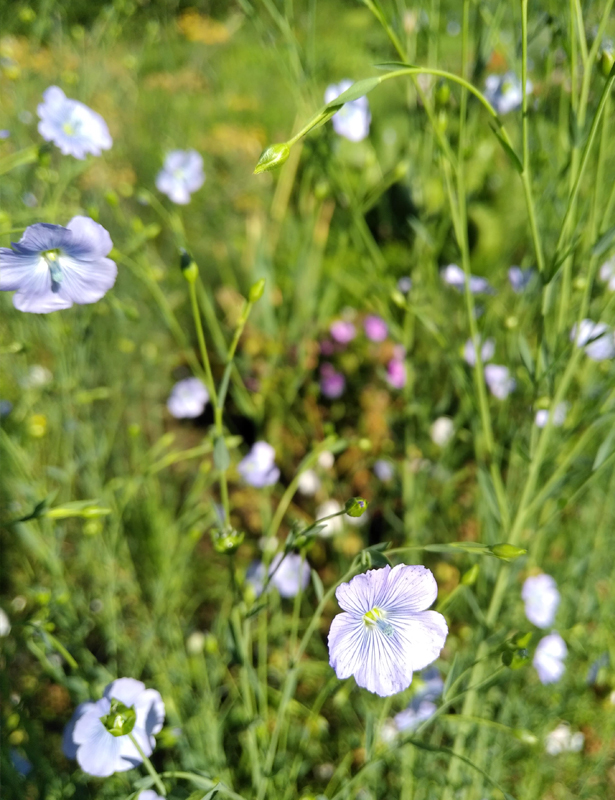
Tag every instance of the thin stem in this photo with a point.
(149, 767)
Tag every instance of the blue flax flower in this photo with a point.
(258, 467)
(386, 633)
(353, 119)
(181, 174)
(71, 125)
(52, 267)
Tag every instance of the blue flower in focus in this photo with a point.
(181, 174)
(100, 752)
(71, 125)
(52, 267)
(258, 467)
(386, 633)
(353, 119)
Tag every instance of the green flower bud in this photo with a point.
(356, 507)
(443, 93)
(606, 60)
(256, 291)
(227, 540)
(120, 720)
(507, 552)
(469, 578)
(274, 156)
(188, 267)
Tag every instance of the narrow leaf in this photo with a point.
(222, 460)
(514, 158)
(526, 356)
(319, 589)
(357, 90)
(604, 242)
(605, 450)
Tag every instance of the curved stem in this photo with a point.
(149, 767)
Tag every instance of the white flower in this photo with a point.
(442, 431)
(499, 380)
(454, 276)
(385, 633)
(188, 399)
(258, 467)
(607, 273)
(561, 740)
(37, 377)
(71, 125)
(334, 525)
(309, 483)
(597, 338)
(5, 623)
(549, 658)
(326, 459)
(384, 470)
(505, 92)
(541, 600)
(288, 574)
(353, 119)
(52, 267)
(181, 174)
(487, 351)
(558, 417)
(98, 751)
(149, 794)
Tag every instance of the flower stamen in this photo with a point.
(377, 618)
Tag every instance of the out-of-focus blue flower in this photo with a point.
(410, 718)
(353, 119)
(342, 331)
(597, 338)
(309, 483)
(454, 276)
(549, 658)
(499, 380)
(541, 599)
(149, 794)
(559, 416)
(5, 408)
(71, 125)
(404, 284)
(289, 574)
(332, 382)
(52, 267)
(505, 92)
(487, 351)
(599, 663)
(607, 273)
(519, 278)
(21, 763)
(181, 174)
(188, 399)
(384, 470)
(375, 328)
(98, 751)
(385, 633)
(258, 467)
(4, 133)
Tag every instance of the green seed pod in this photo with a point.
(120, 720)
(356, 507)
(507, 552)
(227, 540)
(606, 59)
(256, 291)
(188, 267)
(469, 578)
(272, 158)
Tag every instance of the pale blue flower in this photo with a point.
(188, 399)
(519, 278)
(404, 284)
(181, 174)
(454, 276)
(384, 470)
(422, 706)
(562, 740)
(487, 350)
(289, 574)
(385, 633)
(597, 338)
(52, 267)
(21, 763)
(549, 658)
(71, 125)
(541, 600)
(309, 483)
(558, 416)
(149, 794)
(505, 92)
(97, 750)
(499, 380)
(607, 273)
(258, 467)
(353, 119)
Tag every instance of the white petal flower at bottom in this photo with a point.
(549, 658)
(385, 633)
(562, 740)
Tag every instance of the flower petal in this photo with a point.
(348, 644)
(90, 241)
(385, 670)
(126, 690)
(43, 236)
(26, 272)
(410, 587)
(150, 711)
(422, 636)
(40, 303)
(69, 746)
(359, 594)
(86, 281)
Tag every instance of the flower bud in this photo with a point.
(256, 291)
(507, 552)
(274, 156)
(469, 578)
(606, 59)
(443, 93)
(227, 540)
(355, 507)
(120, 720)
(188, 267)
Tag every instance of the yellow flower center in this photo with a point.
(377, 617)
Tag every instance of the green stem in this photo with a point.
(149, 767)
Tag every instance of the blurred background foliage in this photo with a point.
(140, 591)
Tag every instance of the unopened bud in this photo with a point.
(507, 552)
(606, 60)
(227, 540)
(356, 507)
(188, 267)
(274, 156)
(469, 578)
(120, 720)
(256, 291)
(443, 93)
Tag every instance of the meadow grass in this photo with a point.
(133, 585)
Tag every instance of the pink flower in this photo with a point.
(332, 382)
(343, 332)
(396, 373)
(376, 328)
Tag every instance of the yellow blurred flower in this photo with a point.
(199, 28)
(37, 426)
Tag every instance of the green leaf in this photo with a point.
(357, 90)
(475, 548)
(604, 242)
(488, 492)
(222, 460)
(453, 673)
(394, 65)
(317, 584)
(514, 158)
(605, 450)
(526, 356)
